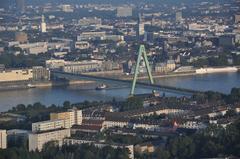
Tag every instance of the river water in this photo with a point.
(217, 82)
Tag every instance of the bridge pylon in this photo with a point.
(141, 53)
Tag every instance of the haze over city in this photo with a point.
(119, 79)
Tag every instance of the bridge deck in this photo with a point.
(128, 82)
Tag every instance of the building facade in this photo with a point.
(50, 125)
(83, 66)
(91, 35)
(165, 67)
(124, 11)
(40, 73)
(21, 37)
(16, 75)
(74, 116)
(3, 139)
(82, 45)
(38, 140)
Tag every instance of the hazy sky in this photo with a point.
(6, 3)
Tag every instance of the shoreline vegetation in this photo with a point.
(185, 146)
(39, 112)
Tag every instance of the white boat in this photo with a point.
(101, 87)
(30, 86)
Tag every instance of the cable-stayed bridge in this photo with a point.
(107, 80)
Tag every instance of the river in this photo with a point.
(222, 82)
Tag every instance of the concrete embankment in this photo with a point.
(207, 70)
(216, 70)
(28, 84)
(113, 74)
(60, 83)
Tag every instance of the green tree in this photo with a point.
(132, 103)
(66, 105)
(182, 147)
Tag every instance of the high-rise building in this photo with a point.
(37, 140)
(20, 5)
(3, 139)
(50, 125)
(43, 26)
(73, 115)
(124, 12)
(237, 18)
(140, 29)
(178, 17)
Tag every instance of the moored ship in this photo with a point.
(101, 87)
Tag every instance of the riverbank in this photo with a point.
(118, 75)
(48, 84)
(191, 72)
(220, 82)
(60, 83)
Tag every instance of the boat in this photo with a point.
(101, 87)
(30, 86)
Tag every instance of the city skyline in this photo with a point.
(138, 79)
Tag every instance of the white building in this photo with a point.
(37, 141)
(91, 35)
(59, 121)
(16, 75)
(43, 26)
(124, 11)
(113, 37)
(108, 123)
(54, 63)
(198, 27)
(90, 21)
(3, 139)
(67, 8)
(50, 125)
(82, 45)
(34, 48)
(141, 29)
(83, 66)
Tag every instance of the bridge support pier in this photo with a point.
(141, 53)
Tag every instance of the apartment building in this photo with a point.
(73, 115)
(37, 140)
(37, 73)
(16, 75)
(3, 139)
(50, 125)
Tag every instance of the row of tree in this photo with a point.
(210, 96)
(39, 112)
(213, 142)
(51, 151)
(22, 61)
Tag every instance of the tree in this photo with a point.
(211, 149)
(182, 147)
(132, 103)
(230, 113)
(162, 154)
(66, 105)
(20, 107)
